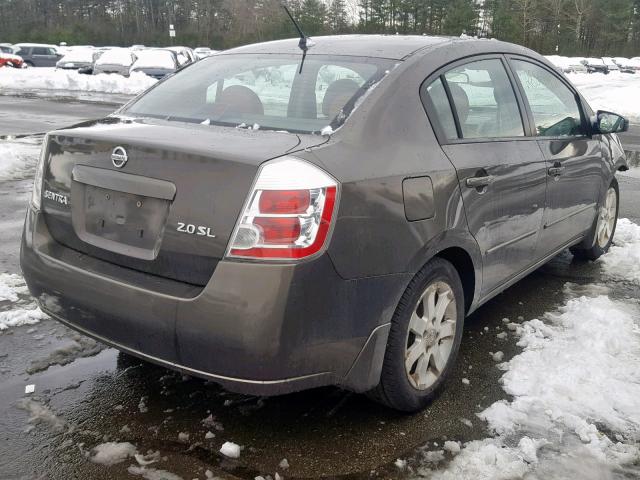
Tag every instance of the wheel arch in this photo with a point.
(461, 250)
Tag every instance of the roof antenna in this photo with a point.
(304, 44)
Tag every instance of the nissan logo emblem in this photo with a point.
(119, 157)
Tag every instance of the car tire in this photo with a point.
(406, 384)
(604, 226)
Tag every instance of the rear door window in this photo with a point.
(437, 101)
(40, 51)
(484, 100)
(554, 107)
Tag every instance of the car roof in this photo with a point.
(35, 45)
(394, 47)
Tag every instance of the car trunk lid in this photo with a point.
(170, 207)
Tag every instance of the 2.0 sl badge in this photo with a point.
(198, 230)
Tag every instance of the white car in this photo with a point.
(611, 64)
(204, 52)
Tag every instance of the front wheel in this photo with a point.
(604, 226)
(424, 339)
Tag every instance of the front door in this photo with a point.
(574, 159)
(502, 173)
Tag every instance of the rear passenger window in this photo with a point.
(553, 104)
(438, 102)
(40, 51)
(484, 100)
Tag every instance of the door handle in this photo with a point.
(479, 182)
(556, 170)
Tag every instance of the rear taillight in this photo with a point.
(288, 213)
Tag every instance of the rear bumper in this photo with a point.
(254, 328)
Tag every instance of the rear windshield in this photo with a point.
(265, 91)
(154, 58)
(116, 56)
(79, 56)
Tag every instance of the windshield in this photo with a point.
(265, 91)
(79, 56)
(154, 59)
(116, 56)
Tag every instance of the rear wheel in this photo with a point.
(604, 226)
(424, 339)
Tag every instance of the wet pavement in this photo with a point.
(90, 395)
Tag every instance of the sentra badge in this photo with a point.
(56, 197)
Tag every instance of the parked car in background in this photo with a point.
(185, 55)
(38, 55)
(627, 65)
(596, 65)
(567, 64)
(136, 48)
(6, 48)
(611, 64)
(77, 58)
(10, 60)
(155, 62)
(115, 60)
(203, 52)
(275, 259)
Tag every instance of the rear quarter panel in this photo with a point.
(387, 139)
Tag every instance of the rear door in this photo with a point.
(44, 57)
(574, 159)
(501, 171)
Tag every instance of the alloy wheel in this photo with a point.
(430, 336)
(607, 218)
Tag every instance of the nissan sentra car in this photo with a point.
(275, 219)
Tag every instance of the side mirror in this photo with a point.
(607, 122)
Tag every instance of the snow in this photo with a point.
(79, 55)
(616, 92)
(20, 317)
(152, 473)
(230, 449)
(10, 286)
(41, 413)
(623, 259)
(154, 58)
(77, 346)
(575, 389)
(326, 131)
(15, 79)
(116, 56)
(18, 157)
(110, 453)
(452, 447)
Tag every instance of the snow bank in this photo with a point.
(18, 157)
(623, 259)
(31, 79)
(10, 286)
(575, 388)
(575, 411)
(20, 317)
(22, 310)
(616, 92)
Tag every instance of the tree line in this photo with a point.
(565, 27)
